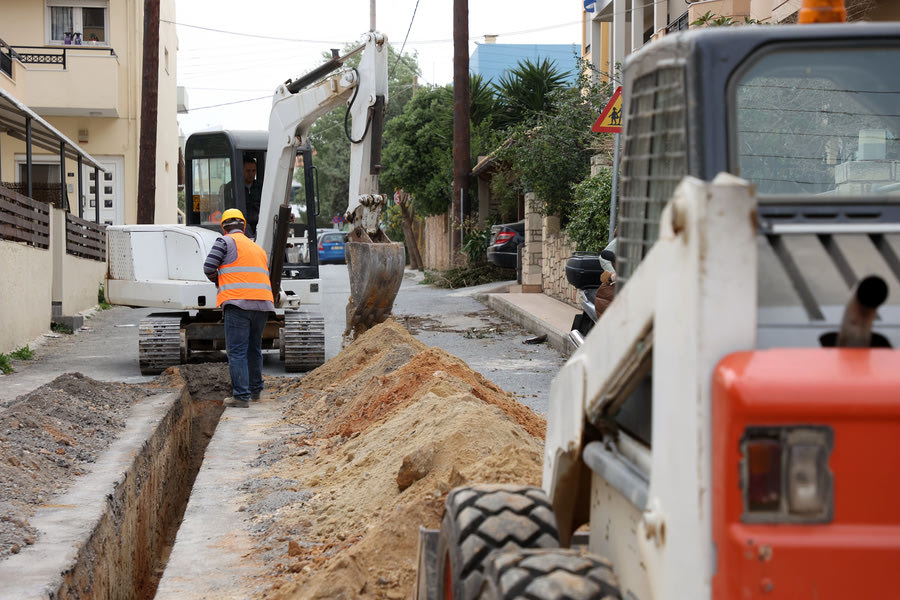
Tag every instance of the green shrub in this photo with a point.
(5, 367)
(101, 298)
(475, 242)
(23, 353)
(589, 224)
(61, 328)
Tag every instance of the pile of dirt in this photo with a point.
(47, 439)
(377, 436)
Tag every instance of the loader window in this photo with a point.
(819, 121)
(210, 178)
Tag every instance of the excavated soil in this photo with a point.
(367, 448)
(50, 437)
(379, 435)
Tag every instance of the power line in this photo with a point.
(400, 54)
(416, 42)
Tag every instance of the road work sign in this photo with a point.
(610, 120)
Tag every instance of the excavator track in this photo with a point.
(303, 340)
(159, 344)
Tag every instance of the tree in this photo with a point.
(552, 152)
(527, 91)
(418, 157)
(330, 142)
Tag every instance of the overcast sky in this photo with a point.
(240, 72)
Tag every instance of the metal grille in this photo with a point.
(655, 160)
(43, 59)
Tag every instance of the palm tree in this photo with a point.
(526, 91)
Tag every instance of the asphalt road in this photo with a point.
(452, 320)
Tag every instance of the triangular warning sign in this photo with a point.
(610, 120)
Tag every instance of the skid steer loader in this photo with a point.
(729, 428)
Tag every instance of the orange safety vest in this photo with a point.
(247, 278)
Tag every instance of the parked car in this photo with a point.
(504, 244)
(331, 247)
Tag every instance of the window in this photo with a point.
(820, 121)
(77, 21)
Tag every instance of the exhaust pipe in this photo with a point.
(856, 327)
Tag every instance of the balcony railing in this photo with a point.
(6, 56)
(682, 22)
(69, 81)
(43, 55)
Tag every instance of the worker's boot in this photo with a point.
(236, 403)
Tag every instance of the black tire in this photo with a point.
(553, 574)
(480, 519)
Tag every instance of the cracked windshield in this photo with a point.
(820, 122)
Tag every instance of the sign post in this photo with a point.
(610, 121)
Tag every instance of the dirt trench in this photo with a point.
(367, 448)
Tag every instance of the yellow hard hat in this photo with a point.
(232, 213)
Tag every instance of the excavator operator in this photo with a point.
(240, 270)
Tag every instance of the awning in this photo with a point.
(13, 115)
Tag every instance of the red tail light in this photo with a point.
(785, 474)
(321, 248)
(764, 475)
(504, 236)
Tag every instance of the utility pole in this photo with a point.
(146, 201)
(461, 112)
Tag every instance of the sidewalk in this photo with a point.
(538, 313)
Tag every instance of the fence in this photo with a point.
(47, 193)
(51, 263)
(85, 238)
(23, 219)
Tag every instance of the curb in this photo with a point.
(558, 340)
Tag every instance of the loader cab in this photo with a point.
(214, 176)
(797, 111)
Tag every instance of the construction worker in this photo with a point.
(239, 268)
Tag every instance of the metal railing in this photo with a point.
(6, 56)
(682, 22)
(53, 55)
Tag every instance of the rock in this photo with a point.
(293, 548)
(416, 466)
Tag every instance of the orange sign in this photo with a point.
(610, 120)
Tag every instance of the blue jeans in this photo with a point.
(243, 342)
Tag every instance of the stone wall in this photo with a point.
(544, 256)
(556, 250)
(532, 277)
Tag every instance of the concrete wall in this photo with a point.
(36, 279)
(81, 280)
(25, 295)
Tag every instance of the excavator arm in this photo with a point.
(375, 264)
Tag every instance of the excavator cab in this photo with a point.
(226, 169)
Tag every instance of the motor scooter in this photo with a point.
(585, 271)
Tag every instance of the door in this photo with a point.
(112, 191)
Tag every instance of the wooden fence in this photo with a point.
(23, 219)
(85, 238)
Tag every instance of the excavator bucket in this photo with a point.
(376, 271)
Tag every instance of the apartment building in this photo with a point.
(616, 28)
(78, 65)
